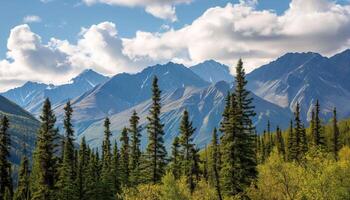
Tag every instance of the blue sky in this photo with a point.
(64, 18)
(52, 41)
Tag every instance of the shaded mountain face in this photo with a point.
(212, 71)
(205, 106)
(23, 128)
(127, 90)
(304, 78)
(31, 95)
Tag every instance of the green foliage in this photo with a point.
(155, 152)
(124, 157)
(5, 165)
(44, 173)
(135, 154)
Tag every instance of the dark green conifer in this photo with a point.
(280, 143)
(106, 180)
(43, 176)
(67, 173)
(135, 154)
(175, 158)
(82, 170)
(124, 157)
(215, 164)
(155, 152)
(335, 140)
(318, 136)
(186, 133)
(5, 165)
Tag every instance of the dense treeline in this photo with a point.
(299, 163)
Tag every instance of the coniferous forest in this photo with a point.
(305, 161)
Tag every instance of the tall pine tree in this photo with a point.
(135, 154)
(175, 158)
(67, 173)
(124, 157)
(82, 170)
(216, 167)
(335, 140)
(155, 152)
(44, 173)
(317, 133)
(186, 133)
(245, 131)
(5, 165)
(106, 180)
(280, 143)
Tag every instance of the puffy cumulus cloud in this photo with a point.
(31, 19)
(98, 47)
(240, 31)
(163, 9)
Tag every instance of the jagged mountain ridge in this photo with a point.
(205, 106)
(304, 78)
(31, 95)
(126, 90)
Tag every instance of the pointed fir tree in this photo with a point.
(116, 170)
(280, 143)
(300, 135)
(135, 154)
(186, 133)
(124, 157)
(205, 164)
(318, 136)
(229, 145)
(106, 180)
(195, 171)
(67, 173)
(23, 187)
(5, 165)
(215, 164)
(336, 134)
(292, 146)
(245, 131)
(155, 152)
(44, 173)
(93, 178)
(82, 170)
(23, 190)
(175, 158)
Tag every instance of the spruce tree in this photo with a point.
(106, 180)
(82, 170)
(300, 142)
(93, 178)
(216, 167)
(156, 153)
(186, 133)
(67, 173)
(335, 140)
(175, 158)
(229, 145)
(23, 190)
(245, 131)
(44, 173)
(116, 169)
(292, 146)
(5, 165)
(135, 154)
(280, 143)
(124, 157)
(317, 129)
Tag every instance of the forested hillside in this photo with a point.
(297, 163)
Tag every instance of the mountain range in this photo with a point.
(201, 89)
(31, 95)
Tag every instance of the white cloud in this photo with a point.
(163, 9)
(221, 33)
(31, 19)
(239, 30)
